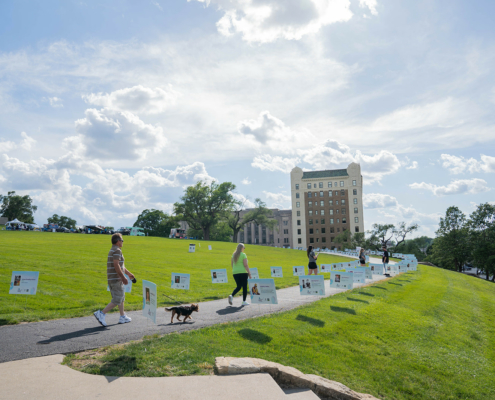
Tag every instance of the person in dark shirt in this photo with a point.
(385, 260)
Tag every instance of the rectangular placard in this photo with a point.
(180, 281)
(341, 280)
(149, 300)
(192, 248)
(219, 276)
(367, 272)
(254, 273)
(376, 269)
(298, 271)
(326, 267)
(209, 247)
(24, 282)
(276, 272)
(262, 291)
(358, 274)
(312, 285)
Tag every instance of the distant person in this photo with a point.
(362, 258)
(240, 269)
(312, 267)
(116, 281)
(385, 260)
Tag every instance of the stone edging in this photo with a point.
(323, 388)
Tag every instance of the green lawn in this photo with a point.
(73, 271)
(428, 334)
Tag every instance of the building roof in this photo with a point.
(329, 173)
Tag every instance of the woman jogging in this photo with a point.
(240, 269)
(312, 267)
(362, 258)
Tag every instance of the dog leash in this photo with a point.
(173, 299)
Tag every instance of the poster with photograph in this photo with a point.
(180, 281)
(341, 280)
(358, 274)
(254, 273)
(326, 267)
(192, 248)
(312, 285)
(149, 300)
(262, 291)
(299, 271)
(24, 282)
(367, 273)
(127, 288)
(219, 276)
(376, 269)
(392, 269)
(209, 247)
(276, 272)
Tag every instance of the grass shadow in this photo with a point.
(119, 366)
(367, 294)
(378, 287)
(358, 300)
(312, 321)
(343, 309)
(255, 336)
(393, 283)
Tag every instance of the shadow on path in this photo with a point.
(312, 321)
(229, 310)
(72, 335)
(255, 336)
(343, 309)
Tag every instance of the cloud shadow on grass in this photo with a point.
(312, 321)
(343, 309)
(358, 300)
(255, 336)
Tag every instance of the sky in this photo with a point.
(110, 108)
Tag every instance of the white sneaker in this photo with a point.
(100, 317)
(231, 300)
(124, 319)
(245, 303)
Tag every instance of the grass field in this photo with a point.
(428, 334)
(73, 279)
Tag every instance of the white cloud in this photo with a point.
(269, 20)
(244, 200)
(278, 200)
(370, 4)
(56, 102)
(137, 99)
(27, 141)
(274, 163)
(463, 186)
(115, 135)
(414, 165)
(378, 200)
(246, 181)
(6, 146)
(458, 165)
(157, 5)
(375, 167)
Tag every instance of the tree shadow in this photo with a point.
(367, 294)
(343, 309)
(119, 366)
(72, 335)
(378, 287)
(358, 300)
(312, 321)
(255, 336)
(229, 310)
(213, 298)
(393, 283)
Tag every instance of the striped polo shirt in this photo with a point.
(115, 253)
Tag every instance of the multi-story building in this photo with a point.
(324, 204)
(280, 236)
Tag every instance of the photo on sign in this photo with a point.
(147, 295)
(17, 280)
(214, 275)
(337, 278)
(254, 290)
(177, 279)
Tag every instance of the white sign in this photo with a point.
(298, 271)
(180, 281)
(326, 267)
(192, 247)
(209, 247)
(219, 276)
(312, 285)
(149, 300)
(276, 272)
(358, 274)
(254, 273)
(127, 288)
(24, 282)
(262, 291)
(376, 269)
(367, 272)
(341, 280)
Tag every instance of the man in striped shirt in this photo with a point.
(116, 272)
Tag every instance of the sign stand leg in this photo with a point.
(25, 303)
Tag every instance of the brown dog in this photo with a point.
(186, 311)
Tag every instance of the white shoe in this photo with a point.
(245, 303)
(100, 317)
(124, 319)
(231, 300)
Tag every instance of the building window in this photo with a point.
(354, 192)
(332, 230)
(338, 230)
(329, 184)
(336, 193)
(286, 240)
(322, 230)
(320, 185)
(336, 202)
(323, 220)
(297, 186)
(317, 231)
(355, 210)
(338, 220)
(298, 204)
(316, 212)
(322, 212)
(356, 228)
(314, 185)
(354, 201)
(297, 195)
(298, 213)
(298, 222)
(343, 202)
(344, 220)
(278, 240)
(309, 185)
(298, 231)
(356, 220)
(323, 239)
(329, 193)
(341, 183)
(316, 194)
(286, 231)
(310, 194)
(331, 220)
(342, 192)
(299, 241)
(317, 240)
(286, 223)
(332, 238)
(337, 211)
(322, 203)
(310, 204)
(310, 222)
(311, 240)
(310, 212)
(330, 202)
(321, 194)
(343, 211)
(353, 183)
(317, 221)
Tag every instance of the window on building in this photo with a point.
(314, 185)
(338, 230)
(298, 213)
(329, 184)
(330, 202)
(344, 220)
(297, 195)
(298, 231)
(310, 222)
(310, 204)
(323, 220)
(329, 193)
(311, 240)
(298, 222)
(354, 201)
(317, 231)
(322, 203)
(278, 240)
(321, 194)
(316, 194)
(310, 212)
(286, 240)
(341, 183)
(343, 202)
(286, 223)
(320, 185)
(353, 183)
(310, 194)
(317, 221)
(316, 212)
(298, 204)
(336, 193)
(343, 211)
(338, 220)
(356, 220)
(286, 231)
(337, 211)
(299, 241)
(309, 185)
(356, 229)
(323, 239)
(355, 210)
(322, 212)
(336, 202)
(297, 186)
(354, 192)
(332, 230)
(322, 230)
(331, 220)
(332, 238)
(342, 192)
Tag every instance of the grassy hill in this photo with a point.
(423, 335)
(73, 271)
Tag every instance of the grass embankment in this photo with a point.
(73, 279)
(423, 335)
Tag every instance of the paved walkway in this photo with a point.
(77, 334)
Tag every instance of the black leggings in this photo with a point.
(241, 281)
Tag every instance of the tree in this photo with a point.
(63, 221)
(20, 207)
(482, 238)
(259, 214)
(204, 205)
(155, 223)
(380, 236)
(220, 232)
(401, 232)
(349, 240)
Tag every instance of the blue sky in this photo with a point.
(109, 108)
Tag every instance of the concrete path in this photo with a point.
(77, 334)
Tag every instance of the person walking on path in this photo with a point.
(116, 272)
(385, 260)
(240, 269)
(312, 267)
(362, 258)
